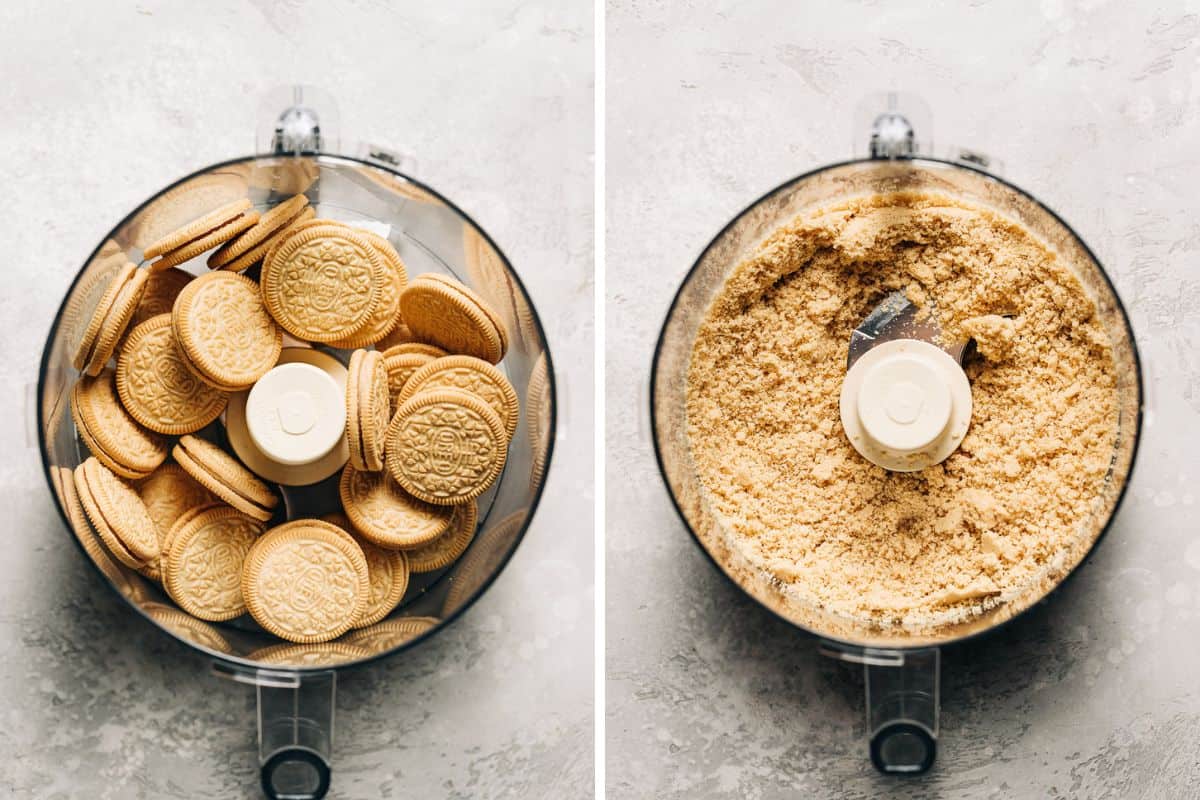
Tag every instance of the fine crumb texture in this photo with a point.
(906, 550)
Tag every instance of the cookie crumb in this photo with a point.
(902, 549)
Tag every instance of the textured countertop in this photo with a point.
(1094, 107)
(109, 103)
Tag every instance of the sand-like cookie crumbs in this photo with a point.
(918, 549)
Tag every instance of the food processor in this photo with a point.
(298, 151)
(901, 668)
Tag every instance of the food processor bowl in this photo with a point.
(901, 664)
(296, 683)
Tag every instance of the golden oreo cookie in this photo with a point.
(260, 251)
(110, 319)
(415, 348)
(537, 416)
(391, 633)
(451, 316)
(490, 549)
(182, 255)
(446, 446)
(116, 322)
(269, 224)
(305, 220)
(78, 315)
(169, 493)
(177, 526)
(339, 520)
(352, 435)
(306, 581)
(110, 433)
(487, 270)
(385, 514)
(224, 476)
(316, 654)
(117, 514)
(471, 375)
(386, 315)
(187, 627)
(157, 388)
(401, 334)
(483, 303)
(199, 228)
(400, 368)
(367, 407)
(445, 550)
(224, 331)
(400, 186)
(109, 249)
(177, 206)
(92, 545)
(387, 573)
(322, 284)
(159, 297)
(203, 569)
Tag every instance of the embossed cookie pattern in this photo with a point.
(156, 386)
(446, 447)
(386, 514)
(225, 330)
(306, 587)
(323, 283)
(204, 566)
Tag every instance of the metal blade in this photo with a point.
(897, 318)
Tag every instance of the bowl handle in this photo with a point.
(902, 704)
(295, 729)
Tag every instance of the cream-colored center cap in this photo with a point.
(295, 413)
(906, 405)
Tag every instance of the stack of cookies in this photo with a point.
(427, 425)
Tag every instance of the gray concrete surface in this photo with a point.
(1095, 108)
(105, 103)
